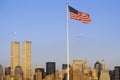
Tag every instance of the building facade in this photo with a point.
(77, 69)
(117, 73)
(1, 70)
(27, 59)
(15, 56)
(86, 69)
(42, 70)
(104, 75)
(7, 70)
(50, 68)
(97, 66)
(18, 71)
(102, 65)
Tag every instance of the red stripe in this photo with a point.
(80, 16)
(73, 16)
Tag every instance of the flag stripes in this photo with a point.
(78, 15)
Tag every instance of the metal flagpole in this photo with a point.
(67, 44)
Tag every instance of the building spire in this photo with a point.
(14, 36)
(36, 66)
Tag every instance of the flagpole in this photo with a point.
(67, 44)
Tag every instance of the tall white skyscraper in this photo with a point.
(15, 56)
(27, 59)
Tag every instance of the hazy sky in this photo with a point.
(43, 22)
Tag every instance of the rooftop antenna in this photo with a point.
(14, 36)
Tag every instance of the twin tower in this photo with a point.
(26, 57)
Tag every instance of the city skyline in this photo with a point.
(78, 70)
(44, 24)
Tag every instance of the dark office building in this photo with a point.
(1, 70)
(42, 70)
(18, 71)
(111, 74)
(64, 66)
(50, 68)
(7, 70)
(97, 66)
(117, 73)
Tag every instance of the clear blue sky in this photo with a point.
(44, 23)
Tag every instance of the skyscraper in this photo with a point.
(50, 68)
(7, 70)
(97, 66)
(38, 75)
(117, 73)
(1, 70)
(15, 55)
(104, 75)
(94, 74)
(42, 70)
(78, 65)
(18, 71)
(86, 67)
(64, 71)
(27, 59)
(77, 69)
(102, 65)
(18, 74)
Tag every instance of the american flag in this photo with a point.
(78, 15)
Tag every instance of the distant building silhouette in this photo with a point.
(94, 74)
(102, 65)
(38, 75)
(86, 67)
(71, 73)
(18, 71)
(42, 70)
(7, 70)
(64, 66)
(27, 59)
(50, 68)
(104, 75)
(78, 65)
(111, 74)
(97, 66)
(77, 69)
(64, 71)
(1, 70)
(117, 73)
(15, 56)
(57, 75)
